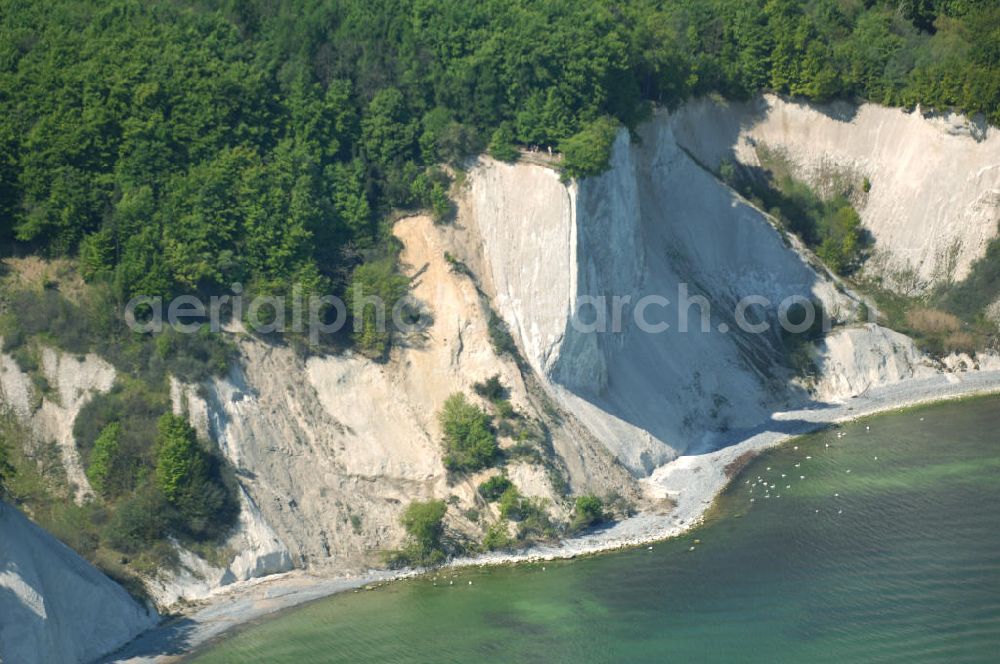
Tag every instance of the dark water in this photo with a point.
(902, 566)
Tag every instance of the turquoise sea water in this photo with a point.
(897, 560)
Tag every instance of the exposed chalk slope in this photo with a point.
(331, 449)
(73, 381)
(55, 606)
(654, 224)
(658, 222)
(934, 202)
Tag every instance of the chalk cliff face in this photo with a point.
(657, 225)
(55, 606)
(659, 222)
(934, 198)
(329, 450)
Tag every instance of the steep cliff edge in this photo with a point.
(55, 606)
(933, 202)
(332, 449)
(328, 450)
(660, 230)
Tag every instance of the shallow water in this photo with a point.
(897, 560)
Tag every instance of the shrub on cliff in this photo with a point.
(375, 289)
(502, 145)
(101, 469)
(424, 525)
(587, 511)
(190, 480)
(469, 440)
(497, 537)
(494, 487)
(588, 152)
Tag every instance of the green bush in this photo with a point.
(194, 357)
(135, 408)
(430, 191)
(494, 487)
(444, 139)
(180, 462)
(832, 227)
(588, 152)
(424, 526)
(469, 440)
(841, 231)
(497, 537)
(587, 511)
(190, 480)
(104, 477)
(511, 504)
(502, 145)
(140, 521)
(530, 512)
(375, 289)
(533, 519)
(500, 337)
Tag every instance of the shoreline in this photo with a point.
(693, 481)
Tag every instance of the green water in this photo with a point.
(903, 566)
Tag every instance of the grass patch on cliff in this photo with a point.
(927, 319)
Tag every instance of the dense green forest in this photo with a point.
(182, 146)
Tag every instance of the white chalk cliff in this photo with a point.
(934, 199)
(329, 450)
(54, 605)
